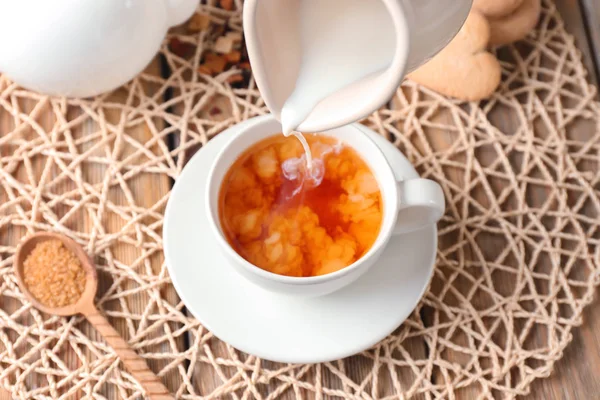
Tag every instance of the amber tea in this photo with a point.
(291, 220)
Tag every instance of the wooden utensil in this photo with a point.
(136, 365)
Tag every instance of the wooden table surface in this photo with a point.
(577, 374)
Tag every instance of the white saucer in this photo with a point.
(282, 328)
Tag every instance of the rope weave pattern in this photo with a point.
(519, 246)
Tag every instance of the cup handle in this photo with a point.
(420, 203)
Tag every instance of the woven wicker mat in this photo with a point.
(519, 246)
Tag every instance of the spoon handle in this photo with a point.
(136, 365)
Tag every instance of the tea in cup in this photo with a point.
(291, 218)
(303, 229)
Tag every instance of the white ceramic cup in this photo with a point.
(422, 197)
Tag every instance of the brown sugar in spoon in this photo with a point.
(136, 365)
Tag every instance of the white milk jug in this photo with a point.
(321, 64)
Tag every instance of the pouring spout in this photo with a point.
(180, 10)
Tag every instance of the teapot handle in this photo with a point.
(433, 25)
(180, 10)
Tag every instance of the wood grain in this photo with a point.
(147, 189)
(576, 374)
(590, 11)
(135, 365)
(13, 232)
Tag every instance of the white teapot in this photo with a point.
(321, 64)
(82, 48)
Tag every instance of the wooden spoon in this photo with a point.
(136, 365)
